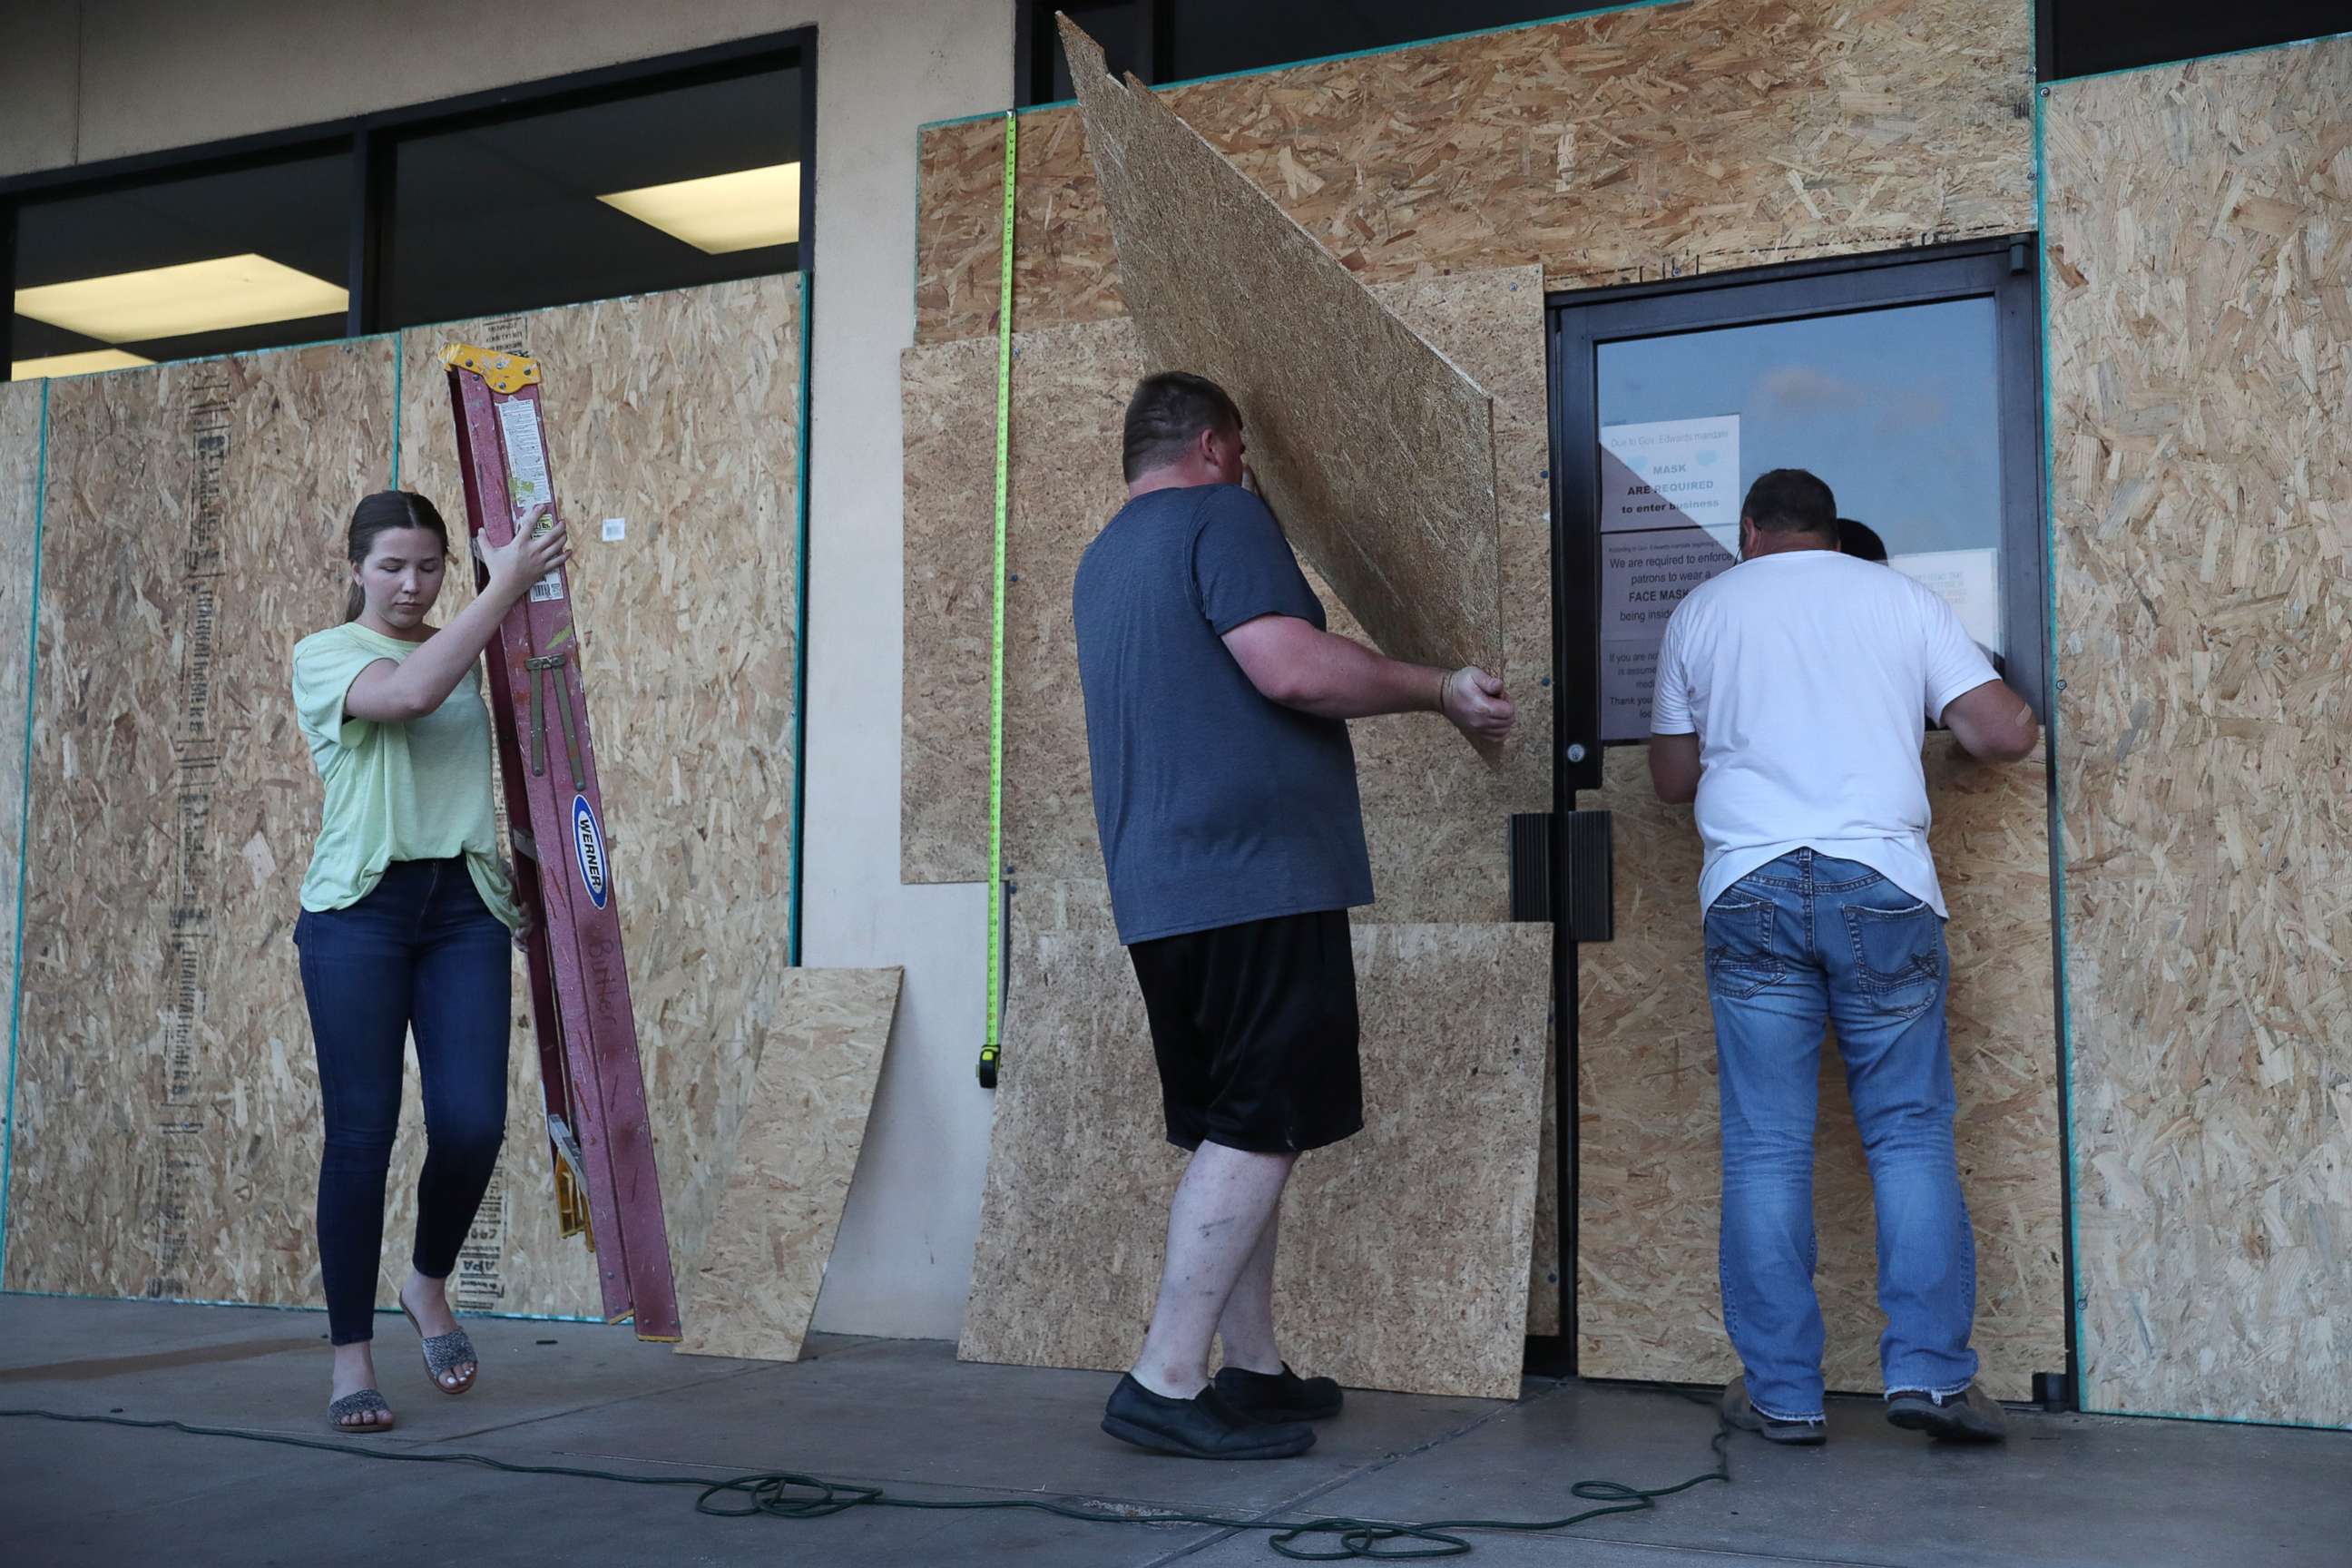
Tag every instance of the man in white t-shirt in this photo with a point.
(1793, 694)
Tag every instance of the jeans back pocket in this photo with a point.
(1898, 956)
(1740, 959)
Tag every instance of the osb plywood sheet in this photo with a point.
(1434, 814)
(1629, 144)
(1378, 454)
(946, 399)
(673, 419)
(2200, 329)
(174, 489)
(20, 472)
(754, 1286)
(1404, 1251)
(1649, 1169)
(169, 1121)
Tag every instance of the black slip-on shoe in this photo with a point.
(1771, 1428)
(1280, 1396)
(1967, 1417)
(1202, 1428)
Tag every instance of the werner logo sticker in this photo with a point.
(588, 844)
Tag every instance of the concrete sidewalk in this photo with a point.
(906, 1416)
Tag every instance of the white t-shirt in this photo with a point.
(1808, 678)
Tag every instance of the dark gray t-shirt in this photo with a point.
(1216, 807)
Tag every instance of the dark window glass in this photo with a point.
(1210, 38)
(513, 213)
(2082, 37)
(1179, 40)
(246, 258)
(1123, 27)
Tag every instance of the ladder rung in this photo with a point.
(524, 845)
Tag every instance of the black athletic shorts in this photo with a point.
(1254, 1029)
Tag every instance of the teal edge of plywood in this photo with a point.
(23, 825)
(399, 353)
(800, 632)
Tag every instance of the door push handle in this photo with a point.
(1562, 869)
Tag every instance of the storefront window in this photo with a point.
(666, 189)
(247, 259)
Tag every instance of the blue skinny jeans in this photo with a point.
(421, 953)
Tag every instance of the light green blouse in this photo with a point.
(418, 791)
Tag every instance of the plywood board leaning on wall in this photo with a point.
(1404, 1249)
(1434, 814)
(784, 1176)
(677, 418)
(1648, 1166)
(168, 1097)
(1649, 142)
(2200, 236)
(1377, 453)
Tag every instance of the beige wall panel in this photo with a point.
(2199, 228)
(1649, 1171)
(1404, 1249)
(677, 413)
(156, 75)
(1378, 454)
(1434, 814)
(1675, 139)
(40, 124)
(752, 1289)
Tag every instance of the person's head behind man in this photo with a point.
(1860, 541)
(1787, 509)
(1181, 430)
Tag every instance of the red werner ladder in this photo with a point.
(596, 1088)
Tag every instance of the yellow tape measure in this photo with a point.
(994, 1049)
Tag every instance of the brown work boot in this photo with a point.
(1771, 1428)
(1970, 1415)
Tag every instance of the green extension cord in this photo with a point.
(787, 1494)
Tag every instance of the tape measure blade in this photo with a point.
(992, 1051)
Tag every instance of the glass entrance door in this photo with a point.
(1911, 386)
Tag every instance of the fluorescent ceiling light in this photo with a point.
(721, 212)
(74, 364)
(175, 302)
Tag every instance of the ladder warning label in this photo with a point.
(527, 481)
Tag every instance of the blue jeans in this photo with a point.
(420, 953)
(1801, 942)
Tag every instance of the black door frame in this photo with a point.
(1577, 322)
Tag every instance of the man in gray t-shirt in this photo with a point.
(1224, 789)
